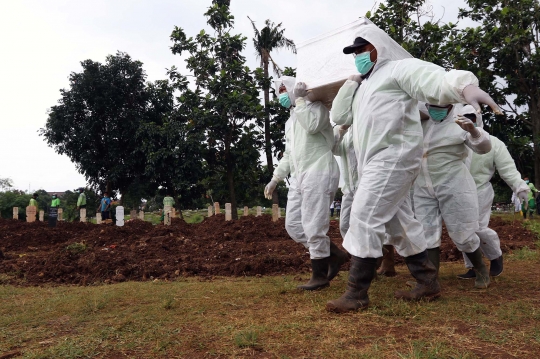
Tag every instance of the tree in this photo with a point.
(5, 184)
(97, 118)
(505, 51)
(269, 38)
(172, 143)
(225, 102)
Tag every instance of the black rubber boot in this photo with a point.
(496, 267)
(427, 286)
(355, 297)
(434, 255)
(470, 274)
(319, 275)
(337, 259)
(482, 274)
(387, 268)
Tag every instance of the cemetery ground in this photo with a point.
(228, 289)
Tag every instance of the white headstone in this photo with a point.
(119, 216)
(275, 210)
(167, 215)
(30, 213)
(98, 217)
(133, 214)
(141, 215)
(279, 212)
(15, 212)
(246, 211)
(210, 211)
(83, 214)
(228, 212)
(41, 216)
(259, 211)
(60, 213)
(216, 206)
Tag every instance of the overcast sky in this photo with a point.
(43, 41)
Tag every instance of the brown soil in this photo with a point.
(34, 254)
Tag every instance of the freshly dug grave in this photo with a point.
(82, 253)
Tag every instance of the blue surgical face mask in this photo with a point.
(284, 100)
(437, 114)
(363, 62)
(527, 181)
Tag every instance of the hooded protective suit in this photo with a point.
(349, 170)
(482, 169)
(308, 158)
(445, 189)
(387, 138)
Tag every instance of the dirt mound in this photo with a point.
(81, 253)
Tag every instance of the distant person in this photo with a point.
(55, 203)
(332, 206)
(105, 206)
(81, 201)
(33, 202)
(338, 207)
(530, 205)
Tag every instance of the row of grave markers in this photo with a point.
(169, 213)
(276, 212)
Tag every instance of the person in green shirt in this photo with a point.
(55, 201)
(33, 202)
(81, 201)
(530, 206)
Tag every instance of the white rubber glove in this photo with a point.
(269, 189)
(300, 89)
(467, 125)
(475, 96)
(523, 196)
(358, 78)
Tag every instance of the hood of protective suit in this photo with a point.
(468, 109)
(289, 83)
(387, 49)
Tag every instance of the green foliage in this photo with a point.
(224, 103)
(246, 339)
(14, 198)
(76, 248)
(96, 121)
(5, 184)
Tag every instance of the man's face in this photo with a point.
(105, 194)
(367, 48)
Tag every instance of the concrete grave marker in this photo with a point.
(216, 207)
(246, 211)
(30, 214)
(60, 213)
(279, 212)
(259, 211)
(15, 212)
(41, 215)
(98, 217)
(83, 215)
(120, 216)
(133, 214)
(167, 215)
(210, 211)
(275, 210)
(228, 212)
(141, 215)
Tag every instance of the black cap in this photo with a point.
(358, 42)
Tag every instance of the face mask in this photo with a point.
(527, 181)
(437, 114)
(363, 62)
(284, 100)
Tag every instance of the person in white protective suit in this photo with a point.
(482, 168)
(344, 149)
(387, 137)
(445, 189)
(315, 177)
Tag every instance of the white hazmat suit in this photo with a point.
(309, 160)
(387, 137)
(482, 169)
(445, 190)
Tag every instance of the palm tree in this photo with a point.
(266, 40)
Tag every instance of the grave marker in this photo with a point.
(60, 213)
(83, 215)
(120, 216)
(167, 215)
(30, 214)
(246, 211)
(41, 215)
(210, 211)
(98, 217)
(259, 211)
(216, 207)
(228, 212)
(53, 216)
(15, 212)
(279, 213)
(133, 214)
(141, 215)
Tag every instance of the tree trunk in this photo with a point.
(178, 203)
(230, 178)
(534, 112)
(267, 142)
(108, 188)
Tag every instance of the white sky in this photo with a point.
(42, 42)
